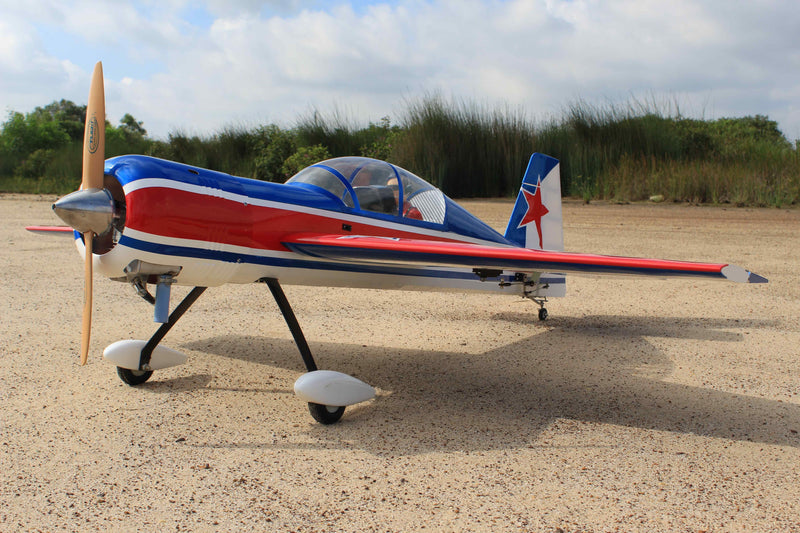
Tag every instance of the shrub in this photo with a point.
(305, 156)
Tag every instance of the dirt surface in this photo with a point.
(639, 405)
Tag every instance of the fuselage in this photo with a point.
(224, 229)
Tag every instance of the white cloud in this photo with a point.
(269, 61)
(27, 70)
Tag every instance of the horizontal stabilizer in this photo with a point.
(51, 230)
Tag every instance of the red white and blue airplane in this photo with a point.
(346, 222)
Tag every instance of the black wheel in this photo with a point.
(133, 377)
(325, 414)
(542, 314)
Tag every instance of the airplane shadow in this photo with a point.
(599, 369)
(178, 384)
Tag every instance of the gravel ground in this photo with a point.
(639, 405)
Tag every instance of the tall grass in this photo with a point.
(756, 181)
(591, 140)
(465, 148)
(632, 153)
(231, 150)
(340, 134)
(627, 152)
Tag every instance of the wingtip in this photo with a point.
(740, 275)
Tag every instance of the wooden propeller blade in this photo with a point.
(94, 147)
(94, 137)
(86, 327)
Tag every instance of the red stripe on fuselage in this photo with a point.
(187, 215)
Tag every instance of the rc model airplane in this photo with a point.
(346, 222)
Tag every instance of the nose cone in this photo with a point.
(87, 210)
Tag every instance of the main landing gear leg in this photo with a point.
(137, 377)
(324, 414)
(291, 321)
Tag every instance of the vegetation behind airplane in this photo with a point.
(627, 152)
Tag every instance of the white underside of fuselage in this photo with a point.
(294, 269)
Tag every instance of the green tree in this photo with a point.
(47, 140)
(70, 117)
(24, 134)
(131, 127)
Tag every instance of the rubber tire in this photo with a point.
(542, 314)
(323, 413)
(133, 377)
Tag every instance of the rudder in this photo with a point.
(536, 220)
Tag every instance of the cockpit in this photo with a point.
(370, 185)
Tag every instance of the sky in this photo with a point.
(199, 67)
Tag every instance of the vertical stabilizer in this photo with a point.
(536, 220)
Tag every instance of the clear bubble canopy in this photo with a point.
(365, 184)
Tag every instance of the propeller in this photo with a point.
(90, 210)
(94, 147)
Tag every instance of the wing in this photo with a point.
(363, 249)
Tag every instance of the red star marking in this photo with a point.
(536, 209)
